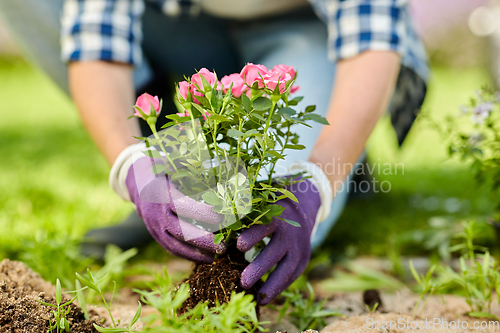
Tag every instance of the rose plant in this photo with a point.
(221, 149)
(246, 120)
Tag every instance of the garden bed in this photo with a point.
(20, 311)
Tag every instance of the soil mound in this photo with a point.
(20, 311)
(216, 281)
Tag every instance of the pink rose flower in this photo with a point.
(145, 102)
(184, 89)
(251, 73)
(273, 79)
(294, 89)
(183, 114)
(284, 69)
(239, 86)
(208, 75)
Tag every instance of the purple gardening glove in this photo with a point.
(290, 246)
(164, 210)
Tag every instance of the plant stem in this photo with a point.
(109, 310)
(155, 133)
(270, 179)
(264, 149)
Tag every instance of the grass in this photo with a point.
(54, 181)
(53, 178)
(432, 183)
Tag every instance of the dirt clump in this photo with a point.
(20, 311)
(216, 281)
(371, 298)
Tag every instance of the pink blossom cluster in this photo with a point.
(256, 76)
(241, 82)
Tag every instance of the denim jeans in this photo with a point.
(179, 45)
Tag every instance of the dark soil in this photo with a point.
(20, 312)
(372, 297)
(216, 281)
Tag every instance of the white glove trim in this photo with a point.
(119, 170)
(322, 183)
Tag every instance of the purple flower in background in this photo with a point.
(464, 109)
(481, 112)
(474, 139)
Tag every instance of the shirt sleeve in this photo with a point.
(107, 30)
(355, 26)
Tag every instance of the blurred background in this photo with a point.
(53, 181)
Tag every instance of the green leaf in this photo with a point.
(198, 108)
(251, 132)
(482, 315)
(206, 85)
(247, 104)
(234, 133)
(258, 116)
(288, 111)
(110, 330)
(218, 238)
(152, 153)
(296, 100)
(256, 220)
(414, 273)
(180, 175)
(46, 304)
(136, 316)
(211, 198)
(58, 292)
(170, 123)
(158, 168)
(289, 195)
(143, 115)
(317, 118)
(310, 108)
(295, 224)
(81, 299)
(296, 147)
(262, 104)
(64, 324)
(87, 282)
(177, 118)
(325, 313)
(275, 210)
(274, 153)
(218, 117)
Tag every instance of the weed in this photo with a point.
(373, 308)
(361, 278)
(427, 284)
(478, 278)
(54, 257)
(95, 285)
(238, 315)
(306, 313)
(60, 324)
(113, 270)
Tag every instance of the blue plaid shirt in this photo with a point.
(110, 30)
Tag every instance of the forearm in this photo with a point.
(103, 93)
(361, 94)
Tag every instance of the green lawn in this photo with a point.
(432, 183)
(54, 182)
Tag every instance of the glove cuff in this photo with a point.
(119, 170)
(321, 182)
